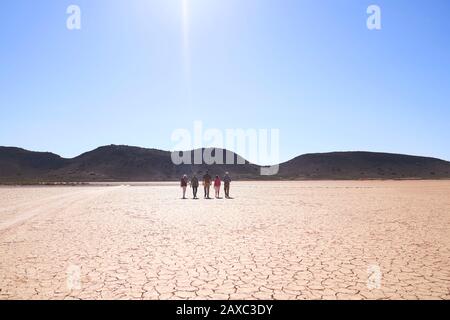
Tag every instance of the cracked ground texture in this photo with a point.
(274, 240)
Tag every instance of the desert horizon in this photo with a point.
(122, 163)
(273, 240)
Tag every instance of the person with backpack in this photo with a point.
(194, 186)
(183, 184)
(217, 184)
(226, 185)
(206, 184)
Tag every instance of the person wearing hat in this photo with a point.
(226, 185)
(183, 184)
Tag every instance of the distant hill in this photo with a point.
(22, 165)
(364, 165)
(125, 163)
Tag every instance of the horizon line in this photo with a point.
(170, 151)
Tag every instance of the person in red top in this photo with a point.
(217, 184)
(183, 184)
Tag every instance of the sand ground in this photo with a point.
(274, 240)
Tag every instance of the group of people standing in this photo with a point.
(207, 182)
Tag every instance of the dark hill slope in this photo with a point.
(125, 163)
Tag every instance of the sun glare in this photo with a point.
(186, 46)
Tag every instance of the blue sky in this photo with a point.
(136, 71)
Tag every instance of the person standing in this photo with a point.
(226, 185)
(183, 184)
(194, 186)
(207, 184)
(217, 184)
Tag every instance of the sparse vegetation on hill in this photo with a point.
(125, 163)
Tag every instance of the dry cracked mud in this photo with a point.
(274, 240)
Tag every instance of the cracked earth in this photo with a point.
(274, 240)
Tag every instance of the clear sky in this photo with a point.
(138, 69)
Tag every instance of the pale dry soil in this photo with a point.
(274, 240)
